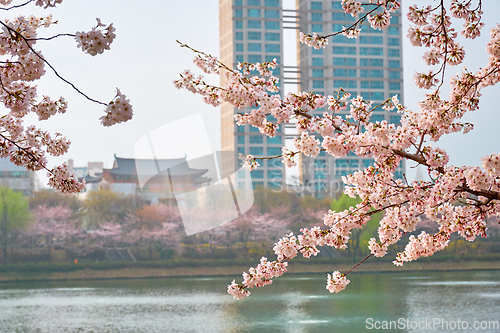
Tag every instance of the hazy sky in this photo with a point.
(145, 59)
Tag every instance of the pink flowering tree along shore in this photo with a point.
(21, 64)
(457, 198)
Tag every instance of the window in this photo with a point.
(337, 27)
(371, 62)
(241, 139)
(253, 2)
(316, 5)
(272, 36)
(239, 58)
(344, 50)
(273, 48)
(254, 129)
(318, 84)
(254, 35)
(395, 19)
(336, 16)
(374, 51)
(394, 75)
(317, 27)
(254, 47)
(371, 40)
(238, 13)
(344, 84)
(319, 163)
(341, 163)
(239, 36)
(365, 84)
(378, 117)
(316, 51)
(396, 119)
(376, 73)
(394, 64)
(339, 72)
(393, 31)
(363, 73)
(275, 173)
(339, 61)
(238, 24)
(238, 2)
(339, 50)
(319, 174)
(272, 3)
(344, 61)
(393, 42)
(316, 17)
(272, 57)
(239, 47)
(377, 95)
(241, 150)
(274, 151)
(337, 5)
(351, 73)
(377, 84)
(393, 52)
(272, 13)
(317, 72)
(394, 86)
(343, 40)
(256, 151)
(253, 58)
(272, 25)
(257, 174)
(275, 140)
(256, 138)
(253, 12)
(317, 61)
(253, 24)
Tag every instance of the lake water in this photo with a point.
(437, 302)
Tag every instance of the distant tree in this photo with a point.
(153, 226)
(53, 225)
(14, 216)
(358, 236)
(105, 206)
(50, 198)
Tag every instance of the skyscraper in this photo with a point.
(370, 66)
(252, 31)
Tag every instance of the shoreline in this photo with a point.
(88, 274)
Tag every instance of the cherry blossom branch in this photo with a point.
(19, 35)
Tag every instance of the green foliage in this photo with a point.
(14, 216)
(358, 237)
(51, 198)
(105, 205)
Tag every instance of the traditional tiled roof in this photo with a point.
(151, 167)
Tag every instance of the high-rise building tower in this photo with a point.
(370, 66)
(251, 31)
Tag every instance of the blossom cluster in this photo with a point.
(96, 40)
(22, 65)
(118, 110)
(458, 199)
(336, 282)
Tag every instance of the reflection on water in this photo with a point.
(291, 304)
